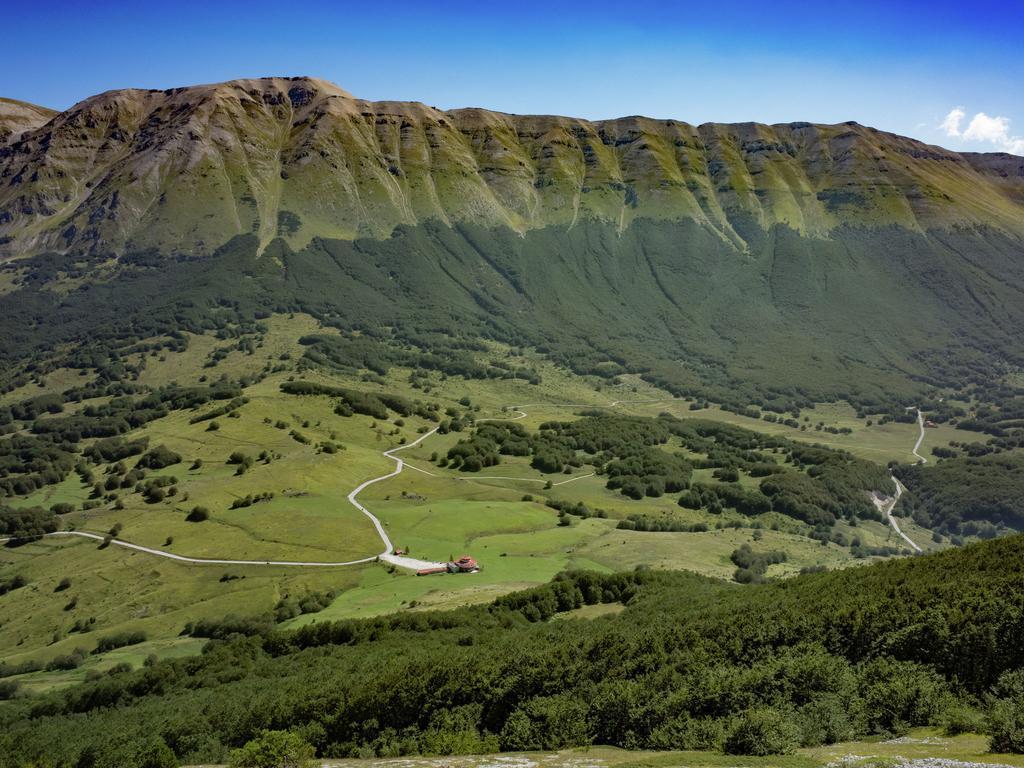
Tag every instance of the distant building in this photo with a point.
(464, 564)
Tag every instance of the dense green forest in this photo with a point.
(980, 496)
(690, 663)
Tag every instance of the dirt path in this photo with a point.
(887, 506)
(197, 560)
(920, 437)
(386, 555)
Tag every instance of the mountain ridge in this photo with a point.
(187, 169)
(19, 117)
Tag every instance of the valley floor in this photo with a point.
(434, 513)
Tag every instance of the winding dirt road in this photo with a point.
(920, 437)
(386, 555)
(886, 508)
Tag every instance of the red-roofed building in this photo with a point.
(464, 564)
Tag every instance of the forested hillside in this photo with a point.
(689, 663)
(667, 300)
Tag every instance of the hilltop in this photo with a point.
(18, 118)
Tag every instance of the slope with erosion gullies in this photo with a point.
(186, 169)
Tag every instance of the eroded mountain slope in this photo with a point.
(186, 169)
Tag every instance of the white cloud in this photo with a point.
(983, 128)
(951, 125)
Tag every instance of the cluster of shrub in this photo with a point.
(47, 456)
(30, 462)
(814, 484)
(224, 410)
(249, 499)
(289, 607)
(77, 657)
(577, 509)
(663, 524)
(446, 354)
(375, 404)
(1001, 418)
(11, 583)
(25, 524)
(122, 414)
(119, 640)
(751, 566)
(1003, 422)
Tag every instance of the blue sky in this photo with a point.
(899, 66)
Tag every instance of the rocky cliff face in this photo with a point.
(185, 170)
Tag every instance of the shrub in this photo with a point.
(158, 458)
(154, 494)
(960, 718)
(14, 582)
(828, 719)
(198, 515)
(1006, 714)
(119, 640)
(26, 523)
(72, 660)
(154, 753)
(901, 694)
(762, 731)
(274, 749)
